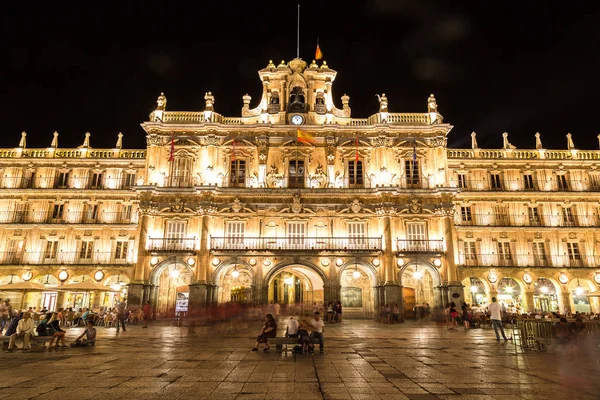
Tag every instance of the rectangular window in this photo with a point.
(96, 182)
(57, 211)
(501, 215)
(235, 232)
(296, 232)
(355, 174)
(595, 182)
(121, 250)
(357, 232)
(534, 216)
(412, 172)
(125, 214)
(495, 182)
(181, 173)
(561, 181)
(296, 174)
(175, 234)
(237, 173)
(567, 216)
(51, 250)
(416, 236)
(21, 210)
(465, 214)
(528, 182)
(129, 180)
(573, 251)
(62, 181)
(86, 251)
(462, 181)
(90, 214)
(470, 251)
(504, 251)
(539, 253)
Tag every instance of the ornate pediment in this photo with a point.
(297, 207)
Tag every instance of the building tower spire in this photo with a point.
(298, 34)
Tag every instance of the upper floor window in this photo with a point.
(121, 250)
(534, 216)
(501, 215)
(86, 250)
(357, 230)
(234, 232)
(561, 181)
(96, 182)
(175, 230)
(181, 172)
(58, 211)
(90, 214)
(62, 181)
(462, 181)
(412, 172)
(296, 173)
(528, 182)
(51, 250)
(567, 216)
(296, 232)
(573, 251)
(495, 182)
(504, 250)
(539, 252)
(237, 173)
(470, 250)
(129, 180)
(125, 214)
(465, 214)
(355, 174)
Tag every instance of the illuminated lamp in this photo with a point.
(437, 262)
(215, 261)
(154, 260)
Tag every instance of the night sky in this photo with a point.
(519, 67)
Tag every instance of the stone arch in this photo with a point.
(245, 281)
(225, 266)
(166, 294)
(160, 267)
(315, 286)
(419, 292)
(433, 271)
(285, 264)
(357, 294)
(578, 301)
(367, 267)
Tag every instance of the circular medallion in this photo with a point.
(492, 277)
(563, 278)
(27, 275)
(597, 277)
(527, 278)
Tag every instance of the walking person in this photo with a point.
(147, 311)
(496, 318)
(121, 316)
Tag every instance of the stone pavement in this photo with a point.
(363, 360)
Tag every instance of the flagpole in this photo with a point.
(298, 34)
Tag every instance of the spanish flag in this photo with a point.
(305, 137)
(318, 52)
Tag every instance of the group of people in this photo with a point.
(307, 330)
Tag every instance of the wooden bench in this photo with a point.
(33, 340)
(279, 341)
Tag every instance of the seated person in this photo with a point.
(59, 334)
(304, 335)
(292, 328)
(12, 326)
(24, 330)
(90, 337)
(317, 330)
(269, 330)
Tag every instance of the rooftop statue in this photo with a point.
(431, 104)
(161, 102)
(209, 100)
(383, 102)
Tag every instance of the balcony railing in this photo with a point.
(419, 246)
(528, 260)
(63, 258)
(523, 185)
(523, 220)
(48, 217)
(172, 244)
(82, 183)
(343, 244)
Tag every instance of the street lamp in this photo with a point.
(579, 290)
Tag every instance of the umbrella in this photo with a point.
(87, 286)
(24, 287)
(592, 294)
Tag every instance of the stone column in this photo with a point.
(142, 253)
(564, 301)
(401, 303)
(529, 303)
(330, 142)
(135, 295)
(391, 287)
(456, 291)
(376, 303)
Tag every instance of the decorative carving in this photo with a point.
(381, 141)
(415, 206)
(263, 150)
(438, 142)
(296, 205)
(87, 233)
(355, 206)
(330, 146)
(383, 102)
(387, 211)
(503, 235)
(274, 178)
(154, 140)
(469, 234)
(53, 232)
(538, 235)
(18, 232)
(431, 104)
(572, 235)
(177, 205)
(320, 107)
(319, 179)
(212, 140)
(237, 205)
(161, 102)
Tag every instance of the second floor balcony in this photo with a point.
(172, 245)
(67, 217)
(419, 246)
(528, 260)
(64, 258)
(296, 244)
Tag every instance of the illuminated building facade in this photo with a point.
(367, 211)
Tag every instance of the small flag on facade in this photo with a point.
(318, 52)
(172, 153)
(305, 137)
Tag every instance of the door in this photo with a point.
(49, 301)
(410, 301)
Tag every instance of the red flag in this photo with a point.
(318, 52)
(357, 149)
(172, 148)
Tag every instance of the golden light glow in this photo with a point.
(216, 261)
(63, 275)
(191, 261)
(400, 262)
(437, 262)
(154, 260)
(27, 275)
(99, 275)
(339, 262)
(376, 262)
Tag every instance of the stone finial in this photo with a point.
(23, 141)
(473, 141)
(270, 64)
(161, 102)
(282, 64)
(54, 143)
(313, 64)
(324, 65)
(431, 104)
(209, 101)
(86, 141)
(346, 102)
(598, 140)
(506, 144)
(246, 99)
(570, 144)
(538, 141)
(383, 102)
(119, 144)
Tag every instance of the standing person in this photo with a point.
(269, 330)
(24, 329)
(453, 316)
(396, 313)
(277, 311)
(465, 315)
(317, 331)
(330, 312)
(3, 315)
(147, 313)
(339, 311)
(496, 318)
(121, 316)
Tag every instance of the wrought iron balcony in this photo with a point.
(172, 244)
(67, 217)
(64, 258)
(338, 244)
(419, 246)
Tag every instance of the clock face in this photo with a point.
(297, 119)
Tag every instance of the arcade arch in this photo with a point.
(418, 281)
(356, 290)
(171, 279)
(296, 285)
(235, 283)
